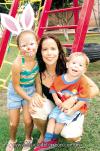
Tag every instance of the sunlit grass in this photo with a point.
(90, 139)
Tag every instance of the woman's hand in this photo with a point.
(37, 100)
(69, 103)
(32, 108)
(94, 90)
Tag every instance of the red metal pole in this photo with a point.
(6, 33)
(76, 13)
(82, 27)
(43, 18)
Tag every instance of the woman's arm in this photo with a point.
(94, 90)
(38, 85)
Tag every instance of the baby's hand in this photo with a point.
(69, 102)
(69, 112)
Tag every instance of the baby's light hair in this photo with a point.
(75, 54)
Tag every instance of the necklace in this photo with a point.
(50, 75)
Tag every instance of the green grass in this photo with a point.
(91, 136)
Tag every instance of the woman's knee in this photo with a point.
(76, 139)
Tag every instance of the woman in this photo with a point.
(52, 62)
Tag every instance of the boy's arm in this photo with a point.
(82, 97)
(56, 99)
(54, 95)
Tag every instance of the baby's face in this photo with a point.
(76, 66)
(28, 44)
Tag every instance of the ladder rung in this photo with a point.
(67, 45)
(64, 10)
(60, 27)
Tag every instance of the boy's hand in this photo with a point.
(69, 102)
(69, 112)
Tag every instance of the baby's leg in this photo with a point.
(51, 125)
(50, 130)
(58, 128)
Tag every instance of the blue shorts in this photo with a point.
(62, 117)
(15, 101)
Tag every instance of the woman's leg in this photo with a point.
(28, 122)
(41, 125)
(75, 139)
(73, 131)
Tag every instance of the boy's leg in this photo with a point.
(51, 125)
(50, 129)
(49, 142)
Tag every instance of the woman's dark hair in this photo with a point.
(61, 62)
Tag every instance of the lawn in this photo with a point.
(91, 136)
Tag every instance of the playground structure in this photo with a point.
(6, 41)
(81, 20)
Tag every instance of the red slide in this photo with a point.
(6, 33)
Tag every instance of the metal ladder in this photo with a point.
(81, 21)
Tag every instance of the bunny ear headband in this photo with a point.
(27, 20)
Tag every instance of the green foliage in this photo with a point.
(3, 9)
(61, 3)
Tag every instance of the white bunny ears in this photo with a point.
(27, 20)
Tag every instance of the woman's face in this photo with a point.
(50, 52)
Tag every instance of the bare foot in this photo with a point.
(41, 139)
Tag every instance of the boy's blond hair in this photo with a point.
(74, 54)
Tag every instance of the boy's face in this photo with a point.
(76, 66)
(28, 44)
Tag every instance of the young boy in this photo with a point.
(69, 84)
